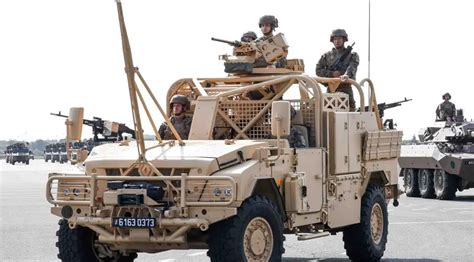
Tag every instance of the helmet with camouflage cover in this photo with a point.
(448, 95)
(268, 19)
(339, 32)
(180, 99)
(248, 35)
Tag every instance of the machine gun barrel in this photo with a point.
(232, 43)
(86, 122)
(383, 106)
(59, 114)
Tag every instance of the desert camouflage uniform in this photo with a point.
(183, 126)
(350, 64)
(445, 110)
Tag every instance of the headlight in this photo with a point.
(76, 191)
(67, 192)
(217, 191)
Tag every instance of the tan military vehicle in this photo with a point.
(236, 187)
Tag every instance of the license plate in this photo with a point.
(135, 222)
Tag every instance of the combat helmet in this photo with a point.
(448, 95)
(268, 19)
(180, 99)
(249, 34)
(339, 32)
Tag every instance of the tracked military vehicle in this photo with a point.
(444, 161)
(18, 153)
(235, 186)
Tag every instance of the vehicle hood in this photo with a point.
(211, 155)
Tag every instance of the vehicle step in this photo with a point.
(309, 236)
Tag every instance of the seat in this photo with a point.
(297, 122)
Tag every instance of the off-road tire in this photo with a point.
(426, 183)
(410, 181)
(27, 162)
(12, 162)
(226, 238)
(76, 245)
(366, 241)
(445, 185)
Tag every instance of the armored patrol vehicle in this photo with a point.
(442, 163)
(235, 186)
(18, 153)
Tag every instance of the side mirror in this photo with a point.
(281, 118)
(74, 123)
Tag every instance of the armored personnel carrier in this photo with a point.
(235, 187)
(18, 153)
(443, 163)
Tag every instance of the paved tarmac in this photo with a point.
(420, 229)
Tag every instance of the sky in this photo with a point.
(57, 54)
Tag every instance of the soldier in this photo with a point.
(182, 123)
(248, 36)
(268, 24)
(347, 68)
(446, 110)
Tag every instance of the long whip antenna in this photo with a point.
(132, 85)
(368, 56)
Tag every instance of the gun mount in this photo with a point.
(253, 57)
(108, 130)
(388, 123)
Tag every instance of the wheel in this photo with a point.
(12, 162)
(27, 162)
(445, 185)
(366, 241)
(411, 183)
(254, 234)
(426, 183)
(79, 245)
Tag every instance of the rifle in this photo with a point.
(383, 106)
(234, 43)
(339, 65)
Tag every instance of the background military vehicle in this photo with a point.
(236, 186)
(48, 153)
(443, 163)
(55, 152)
(17, 153)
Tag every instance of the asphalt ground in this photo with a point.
(420, 229)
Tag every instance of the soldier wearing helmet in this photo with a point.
(268, 24)
(346, 68)
(446, 110)
(248, 36)
(181, 122)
